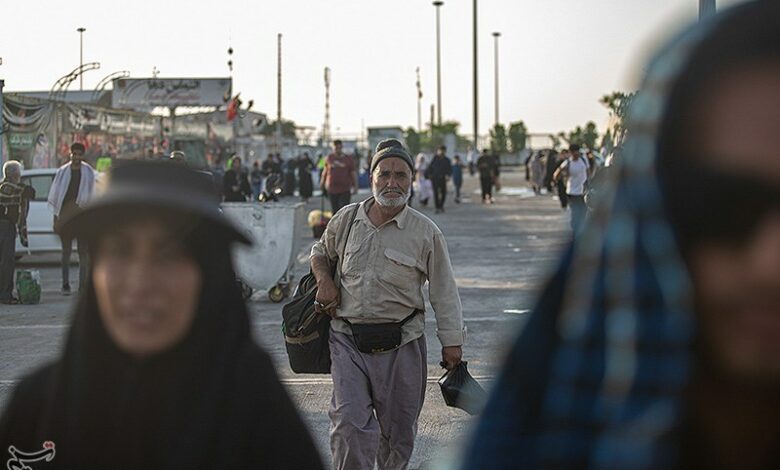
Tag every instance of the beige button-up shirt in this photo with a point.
(384, 271)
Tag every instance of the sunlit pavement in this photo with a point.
(501, 254)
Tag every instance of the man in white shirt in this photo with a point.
(72, 187)
(577, 172)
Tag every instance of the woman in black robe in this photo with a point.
(159, 369)
(305, 184)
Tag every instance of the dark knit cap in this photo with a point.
(391, 148)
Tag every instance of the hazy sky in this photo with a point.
(557, 57)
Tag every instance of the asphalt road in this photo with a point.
(501, 255)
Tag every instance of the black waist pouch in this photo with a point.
(378, 337)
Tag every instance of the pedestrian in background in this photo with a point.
(339, 177)
(256, 180)
(159, 369)
(392, 250)
(656, 345)
(424, 185)
(14, 204)
(71, 189)
(440, 171)
(486, 166)
(236, 182)
(305, 184)
(575, 171)
(457, 176)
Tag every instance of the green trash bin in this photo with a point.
(28, 286)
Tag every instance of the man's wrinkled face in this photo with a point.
(737, 284)
(391, 181)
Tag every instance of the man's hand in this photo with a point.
(328, 299)
(451, 356)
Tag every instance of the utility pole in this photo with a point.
(476, 95)
(326, 124)
(419, 102)
(437, 4)
(706, 8)
(496, 35)
(278, 91)
(81, 55)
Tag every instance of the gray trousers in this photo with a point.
(7, 260)
(67, 248)
(377, 399)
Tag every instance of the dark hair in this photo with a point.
(77, 146)
(574, 147)
(337, 142)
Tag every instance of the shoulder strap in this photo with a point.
(342, 229)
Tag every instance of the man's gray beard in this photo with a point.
(391, 202)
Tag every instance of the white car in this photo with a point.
(40, 219)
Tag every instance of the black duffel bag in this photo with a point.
(305, 331)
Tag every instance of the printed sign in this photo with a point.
(145, 93)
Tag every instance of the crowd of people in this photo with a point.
(654, 345)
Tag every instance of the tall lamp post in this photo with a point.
(419, 102)
(437, 4)
(81, 55)
(476, 95)
(496, 35)
(706, 8)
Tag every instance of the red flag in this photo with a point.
(232, 109)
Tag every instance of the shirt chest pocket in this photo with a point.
(400, 269)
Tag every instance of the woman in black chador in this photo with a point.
(305, 184)
(159, 369)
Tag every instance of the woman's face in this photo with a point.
(147, 287)
(738, 284)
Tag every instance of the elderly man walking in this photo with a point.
(377, 345)
(72, 187)
(14, 202)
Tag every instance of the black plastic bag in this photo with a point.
(460, 390)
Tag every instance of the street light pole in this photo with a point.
(706, 8)
(81, 55)
(419, 102)
(279, 91)
(476, 95)
(437, 4)
(2, 124)
(496, 35)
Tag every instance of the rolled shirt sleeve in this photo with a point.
(443, 294)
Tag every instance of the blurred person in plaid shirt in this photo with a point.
(657, 342)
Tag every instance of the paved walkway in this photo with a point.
(501, 254)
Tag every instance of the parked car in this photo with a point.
(42, 238)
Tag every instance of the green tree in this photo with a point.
(518, 134)
(590, 135)
(288, 128)
(413, 141)
(498, 140)
(618, 104)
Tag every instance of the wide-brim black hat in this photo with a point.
(153, 186)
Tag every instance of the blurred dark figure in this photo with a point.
(15, 200)
(288, 176)
(656, 345)
(305, 183)
(487, 175)
(440, 170)
(256, 180)
(236, 182)
(159, 368)
(457, 176)
(551, 163)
